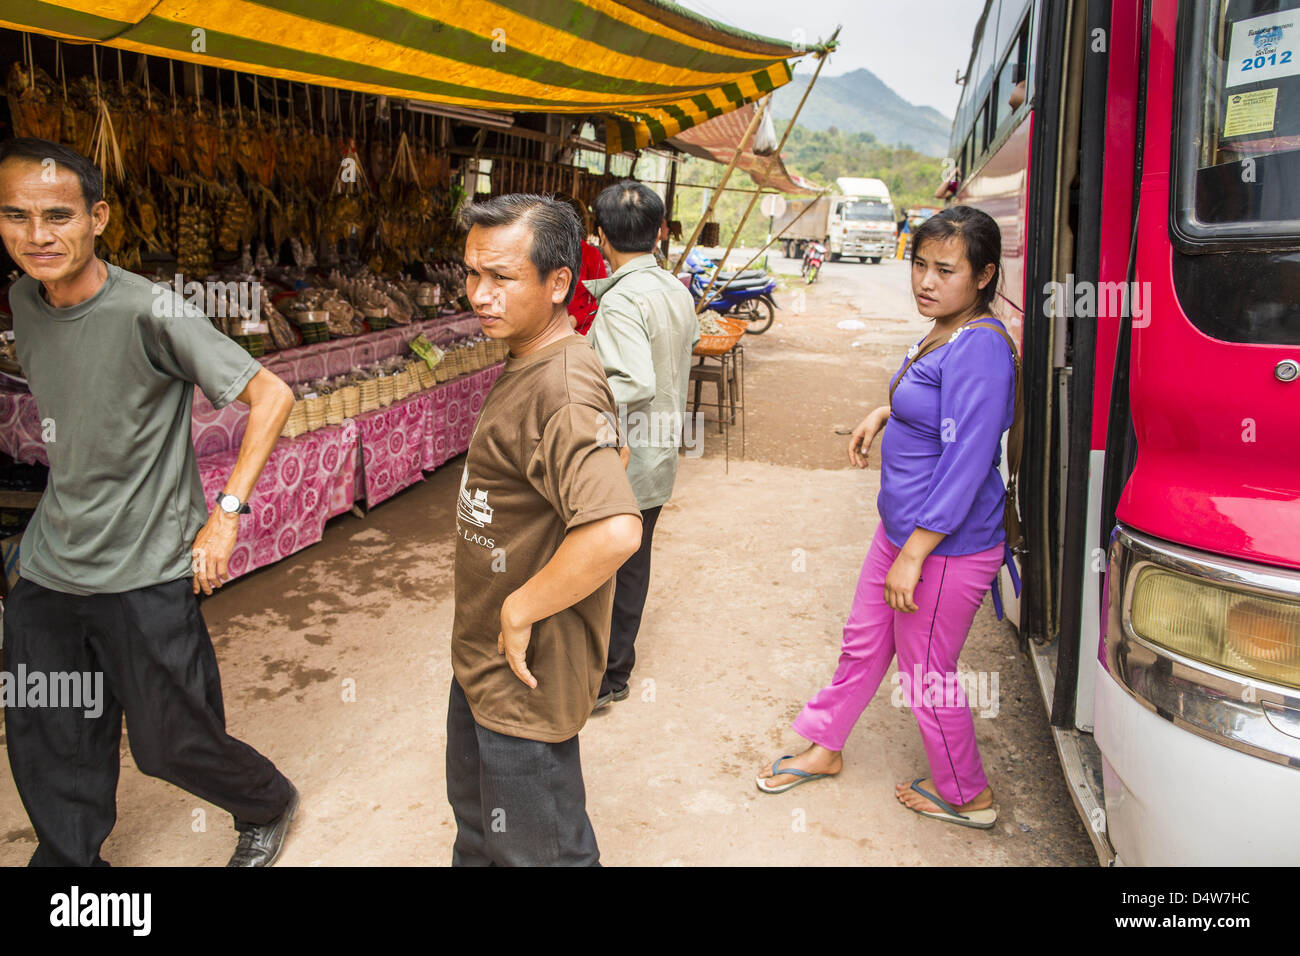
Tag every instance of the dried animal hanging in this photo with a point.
(181, 150)
(194, 256)
(235, 223)
(32, 103)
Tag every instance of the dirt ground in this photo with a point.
(336, 662)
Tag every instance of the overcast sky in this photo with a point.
(915, 46)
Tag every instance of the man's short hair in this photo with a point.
(556, 232)
(38, 150)
(630, 213)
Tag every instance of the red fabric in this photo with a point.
(583, 304)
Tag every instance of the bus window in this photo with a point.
(980, 136)
(1237, 162)
(1013, 72)
(983, 62)
(1239, 121)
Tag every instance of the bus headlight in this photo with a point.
(1244, 633)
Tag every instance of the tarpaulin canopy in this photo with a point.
(719, 138)
(654, 68)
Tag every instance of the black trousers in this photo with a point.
(159, 668)
(517, 802)
(630, 588)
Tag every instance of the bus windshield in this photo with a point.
(1239, 122)
(867, 209)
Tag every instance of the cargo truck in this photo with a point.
(857, 222)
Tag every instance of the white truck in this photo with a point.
(858, 222)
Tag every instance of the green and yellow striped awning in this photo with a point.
(654, 68)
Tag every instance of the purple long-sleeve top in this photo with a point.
(943, 443)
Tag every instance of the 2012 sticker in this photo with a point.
(1264, 48)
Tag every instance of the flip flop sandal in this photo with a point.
(803, 776)
(978, 819)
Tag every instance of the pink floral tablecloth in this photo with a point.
(311, 478)
(419, 433)
(306, 481)
(20, 428)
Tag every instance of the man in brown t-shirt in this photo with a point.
(545, 518)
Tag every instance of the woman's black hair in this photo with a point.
(980, 236)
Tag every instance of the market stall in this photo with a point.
(320, 237)
(297, 177)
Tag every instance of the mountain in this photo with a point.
(861, 102)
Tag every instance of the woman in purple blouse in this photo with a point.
(940, 541)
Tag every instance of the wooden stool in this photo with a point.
(728, 378)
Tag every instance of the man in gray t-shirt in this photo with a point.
(122, 542)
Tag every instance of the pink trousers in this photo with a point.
(927, 642)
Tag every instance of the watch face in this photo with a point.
(229, 504)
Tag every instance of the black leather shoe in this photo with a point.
(612, 695)
(260, 843)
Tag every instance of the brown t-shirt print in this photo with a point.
(542, 460)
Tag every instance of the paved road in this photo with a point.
(335, 662)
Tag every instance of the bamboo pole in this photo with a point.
(713, 199)
(670, 194)
(821, 62)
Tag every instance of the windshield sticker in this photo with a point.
(1264, 48)
(1250, 113)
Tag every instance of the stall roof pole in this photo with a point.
(670, 195)
(713, 199)
(821, 61)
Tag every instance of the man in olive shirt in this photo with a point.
(545, 517)
(122, 542)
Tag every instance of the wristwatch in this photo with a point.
(232, 505)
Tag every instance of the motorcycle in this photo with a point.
(813, 257)
(748, 296)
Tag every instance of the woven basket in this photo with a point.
(442, 371)
(368, 393)
(334, 414)
(350, 395)
(423, 375)
(721, 344)
(482, 355)
(316, 408)
(386, 389)
(296, 423)
(254, 345)
(315, 332)
(403, 385)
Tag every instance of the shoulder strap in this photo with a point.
(910, 362)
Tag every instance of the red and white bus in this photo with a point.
(1148, 190)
